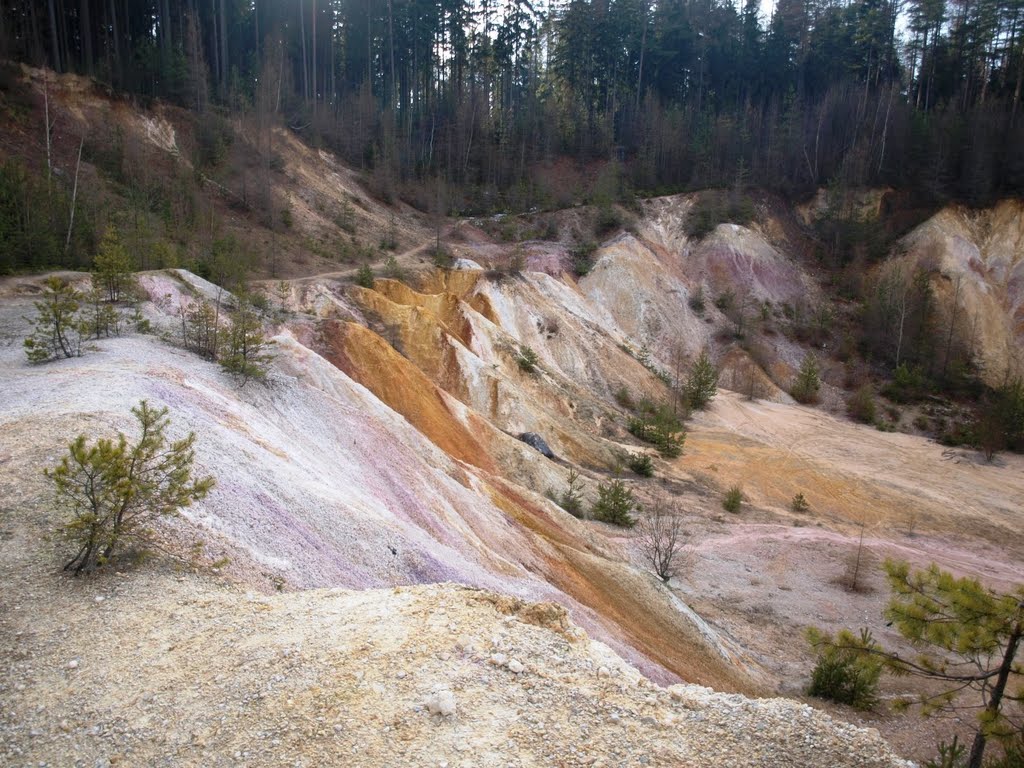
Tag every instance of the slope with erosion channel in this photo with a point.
(914, 499)
(476, 359)
(644, 617)
(322, 484)
(656, 291)
(643, 283)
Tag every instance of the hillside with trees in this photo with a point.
(921, 95)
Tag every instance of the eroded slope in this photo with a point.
(321, 483)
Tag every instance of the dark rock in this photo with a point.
(535, 441)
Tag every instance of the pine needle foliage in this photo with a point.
(808, 381)
(527, 359)
(112, 267)
(615, 504)
(101, 317)
(842, 673)
(364, 276)
(950, 755)
(393, 270)
(641, 464)
(733, 499)
(702, 383)
(967, 636)
(57, 328)
(244, 350)
(658, 425)
(571, 499)
(200, 328)
(112, 491)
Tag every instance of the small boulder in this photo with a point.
(537, 442)
(441, 703)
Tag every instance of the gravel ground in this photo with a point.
(155, 668)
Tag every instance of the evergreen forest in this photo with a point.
(919, 95)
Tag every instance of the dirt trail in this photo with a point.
(407, 259)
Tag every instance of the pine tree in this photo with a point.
(102, 318)
(364, 276)
(113, 266)
(701, 386)
(244, 351)
(527, 359)
(571, 499)
(200, 327)
(615, 504)
(844, 672)
(808, 382)
(1000, 423)
(113, 490)
(57, 329)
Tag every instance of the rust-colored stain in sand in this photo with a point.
(623, 599)
(428, 329)
(458, 282)
(371, 361)
(444, 307)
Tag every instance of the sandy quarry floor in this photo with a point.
(851, 473)
(762, 576)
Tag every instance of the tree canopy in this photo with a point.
(922, 94)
